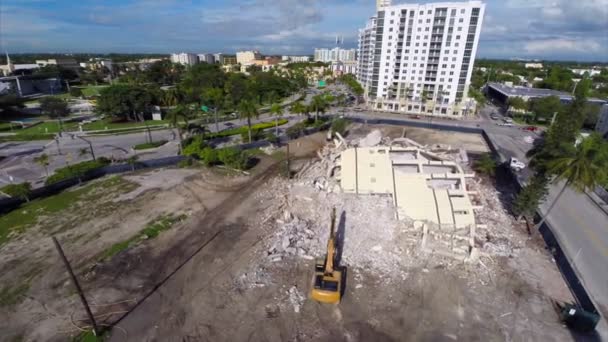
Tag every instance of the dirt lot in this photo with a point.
(210, 278)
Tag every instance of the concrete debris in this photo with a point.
(296, 298)
(394, 245)
(372, 139)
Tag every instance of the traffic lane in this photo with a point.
(582, 231)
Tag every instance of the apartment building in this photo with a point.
(295, 59)
(335, 55)
(418, 58)
(184, 58)
(244, 57)
(208, 58)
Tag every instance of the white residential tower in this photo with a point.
(418, 58)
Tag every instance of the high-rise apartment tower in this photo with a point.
(418, 58)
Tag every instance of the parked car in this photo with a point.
(530, 128)
(516, 165)
(494, 116)
(507, 120)
(506, 124)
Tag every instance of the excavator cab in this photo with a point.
(328, 281)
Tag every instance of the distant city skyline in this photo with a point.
(540, 29)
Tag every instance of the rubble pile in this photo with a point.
(369, 233)
(494, 233)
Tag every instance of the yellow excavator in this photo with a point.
(328, 281)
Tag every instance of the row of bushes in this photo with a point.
(153, 144)
(22, 190)
(229, 156)
(77, 170)
(298, 129)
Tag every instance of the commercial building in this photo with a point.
(533, 65)
(335, 55)
(418, 58)
(296, 59)
(184, 58)
(244, 57)
(31, 85)
(501, 93)
(208, 58)
(591, 72)
(67, 63)
(602, 123)
(219, 58)
(10, 68)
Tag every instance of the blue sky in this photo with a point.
(547, 29)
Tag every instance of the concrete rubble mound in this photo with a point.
(370, 232)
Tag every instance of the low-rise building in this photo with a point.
(24, 86)
(296, 59)
(533, 65)
(67, 63)
(591, 72)
(501, 93)
(244, 57)
(341, 68)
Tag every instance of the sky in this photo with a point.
(542, 29)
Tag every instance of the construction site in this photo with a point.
(424, 248)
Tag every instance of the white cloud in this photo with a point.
(559, 45)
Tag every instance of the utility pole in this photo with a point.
(287, 159)
(217, 126)
(58, 148)
(83, 299)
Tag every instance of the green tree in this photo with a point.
(530, 197)
(180, 112)
(200, 77)
(248, 110)
(171, 97)
(128, 102)
(317, 105)
(236, 89)
(298, 108)
(132, 160)
(214, 97)
(277, 110)
(164, 73)
(44, 161)
(517, 103)
(582, 170)
(485, 165)
(544, 108)
(54, 107)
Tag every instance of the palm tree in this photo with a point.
(485, 165)
(171, 97)
(318, 104)
(277, 111)
(583, 169)
(298, 108)
(215, 97)
(248, 110)
(180, 112)
(44, 161)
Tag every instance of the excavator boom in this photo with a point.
(328, 280)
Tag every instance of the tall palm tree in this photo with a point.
(248, 110)
(215, 98)
(44, 161)
(277, 111)
(318, 104)
(176, 114)
(583, 169)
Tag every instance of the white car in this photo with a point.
(516, 165)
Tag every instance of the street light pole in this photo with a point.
(88, 142)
